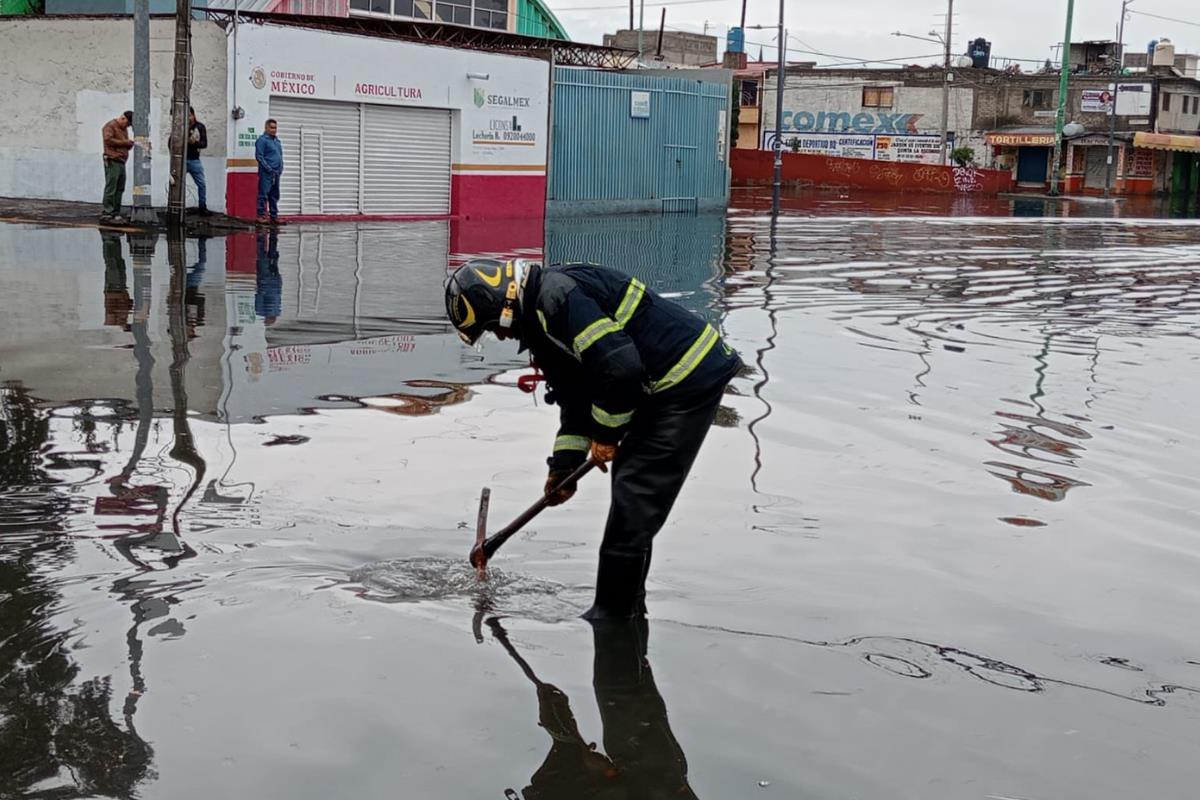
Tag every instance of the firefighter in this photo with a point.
(637, 380)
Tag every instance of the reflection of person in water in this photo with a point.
(641, 757)
(193, 298)
(117, 302)
(268, 289)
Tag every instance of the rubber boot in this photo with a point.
(618, 581)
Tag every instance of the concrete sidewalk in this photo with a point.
(87, 215)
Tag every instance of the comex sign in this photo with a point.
(864, 122)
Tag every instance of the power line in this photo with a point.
(1168, 19)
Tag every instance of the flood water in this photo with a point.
(942, 542)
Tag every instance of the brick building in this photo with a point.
(678, 48)
(1007, 119)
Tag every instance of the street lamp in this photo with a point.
(780, 84)
(1112, 112)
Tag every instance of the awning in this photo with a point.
(1017, 138)
(1167, 141)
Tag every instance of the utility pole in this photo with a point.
(658, 56)
(141, 212)
(1060, 118)
(780, 85)
(641, 27)
(946, 80)
(179, 112)
(1112, 112)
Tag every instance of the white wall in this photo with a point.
(296, 62)
(843, 93)
(55, 99)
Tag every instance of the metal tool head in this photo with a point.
(478, 554)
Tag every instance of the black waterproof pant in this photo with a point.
(652, 463)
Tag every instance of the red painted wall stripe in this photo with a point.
(472, 196)
(752, 167)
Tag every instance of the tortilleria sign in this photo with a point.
(1019, 139)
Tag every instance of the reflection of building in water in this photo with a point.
(69, 303)
(359, 312)
(678, 255)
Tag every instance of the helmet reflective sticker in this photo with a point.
(464, 315)
(491, 280)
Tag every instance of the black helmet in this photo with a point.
(481, 295)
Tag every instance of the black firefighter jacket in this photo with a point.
(609, 346)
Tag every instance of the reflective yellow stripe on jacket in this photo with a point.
(610, 420)
(691, 359)
(606, 325)
(579, 443)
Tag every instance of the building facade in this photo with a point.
(885, 115)
(1005, 119)
(525, 17)
(50, 143)
(678, 47)
(379, 127)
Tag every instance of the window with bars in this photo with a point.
(1037, 98)
(749, 94)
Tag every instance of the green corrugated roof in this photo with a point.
(534, 18)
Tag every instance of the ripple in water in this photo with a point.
(429, 579)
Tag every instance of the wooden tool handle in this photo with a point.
(493, 542)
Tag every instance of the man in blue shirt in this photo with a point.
(268, 151)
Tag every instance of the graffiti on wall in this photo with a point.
(967, 179)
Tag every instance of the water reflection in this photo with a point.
(58, 737)
(268, 284)
(915, 380)
(641, 756)
(998, 291)
(841, 202)
(678, 255)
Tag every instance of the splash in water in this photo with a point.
(431, 579)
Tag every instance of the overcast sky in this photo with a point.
(861, 29)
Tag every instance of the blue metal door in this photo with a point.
(1032, 164)
(679, 177)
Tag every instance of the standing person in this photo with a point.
(117, 145)
(637, 378)
(268, 151)
(197, 141)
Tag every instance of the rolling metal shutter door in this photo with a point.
(338, 124)
(407, 161)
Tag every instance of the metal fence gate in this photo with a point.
(638, 142)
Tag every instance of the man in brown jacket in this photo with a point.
(117, 145)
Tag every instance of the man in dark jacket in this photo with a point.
(197, 141)
(637, 379)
